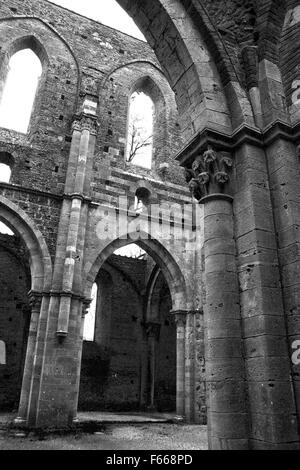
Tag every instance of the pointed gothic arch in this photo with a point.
(40, 260)
(168, 265)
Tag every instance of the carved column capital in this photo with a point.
(180, 317)
(35, 299)
(210, 175)
(83, 121)
(86, 303)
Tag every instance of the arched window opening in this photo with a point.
(24, 71)
(4, 230)
(2, 353)
(6, 164)
(5, 173)
(90, 318)
(142, 200)
(140, 130)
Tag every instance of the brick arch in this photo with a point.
(196, 63)
(167, 263)
(40, 262)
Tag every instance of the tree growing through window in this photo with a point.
(140, 130)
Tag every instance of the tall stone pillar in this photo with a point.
(86, 124)
(284, 183)
(190, 386)
(225, 372)
(153, 330)
(180, 319)
(80, 327)
(57, 356)
(271, 398)
(35, 299)
(144, 368)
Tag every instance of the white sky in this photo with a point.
(141, 121)
(5, 173)
(107, 12)
(90, 318)
(130, 251)
(5, 230)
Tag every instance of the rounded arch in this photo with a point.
(40, 262)
(168, 265)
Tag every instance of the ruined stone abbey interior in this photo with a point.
(150, 217)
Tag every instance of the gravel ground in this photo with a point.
(117, 437)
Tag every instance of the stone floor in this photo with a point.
(117, 432)
(136, 417)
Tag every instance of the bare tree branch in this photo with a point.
(137, 141)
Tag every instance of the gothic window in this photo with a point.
(90, 318)
(2, 353)
(6, 164)
(22, 79)
(140, 130)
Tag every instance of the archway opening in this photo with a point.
(6, 166)
(15, 314)
(130, 365)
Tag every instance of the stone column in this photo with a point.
(284, 173)
(189, 394)
(86, 124)
(80, 326)
(35, 299)
(200, 378)
(271, 398)
(225, 372)
(144, 368)
(180, 319)
(54, 387)
(153, 330)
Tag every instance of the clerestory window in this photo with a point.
(6, 164)
(22, 79)
(140, 130)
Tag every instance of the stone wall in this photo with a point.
(113, 364)
(14, 317)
